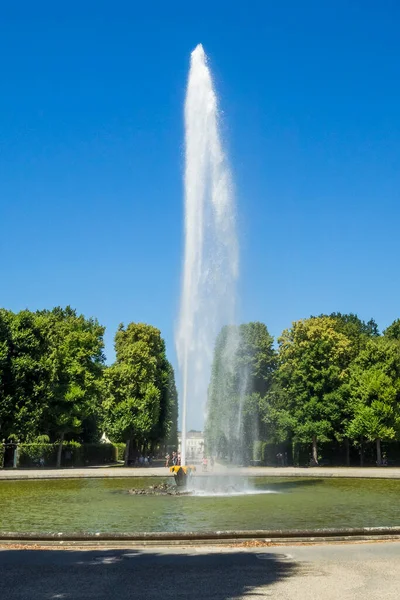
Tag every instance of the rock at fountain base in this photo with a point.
(163, 489)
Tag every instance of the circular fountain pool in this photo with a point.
(104, 505)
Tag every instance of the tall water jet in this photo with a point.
(210, 267)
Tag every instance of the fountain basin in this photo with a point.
(103, 505)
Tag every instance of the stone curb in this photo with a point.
(310, 535)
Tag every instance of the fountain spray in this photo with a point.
(210, 265)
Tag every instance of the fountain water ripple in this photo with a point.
(224, 485)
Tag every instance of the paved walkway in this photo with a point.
(331, 572)
(120, 471)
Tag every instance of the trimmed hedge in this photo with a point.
(73, 454)
(120, 448)
(257, 450)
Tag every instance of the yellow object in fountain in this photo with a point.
(182, 473)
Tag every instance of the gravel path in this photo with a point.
(331, 572)
(120, 471)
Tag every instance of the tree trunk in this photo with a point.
(15, 458)
(378, 453)
(59, 451)
(361, 453)
(127, 448)
(347, 446)
(314, 450)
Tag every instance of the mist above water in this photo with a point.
(224, 485)
(210, 266)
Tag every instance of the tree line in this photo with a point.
(331, 378)
(55, 386)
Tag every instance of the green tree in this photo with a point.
(314, 359)
(172, 415)
(243, 364)
(358, 332)
(137, 406)
(393, 331)
(74, 360)
(50, 367)
(375, 393)
(6, 382)
(23, 374)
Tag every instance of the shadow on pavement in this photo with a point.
(142, 575)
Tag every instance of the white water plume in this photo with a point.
(210, 268)
(224, 485)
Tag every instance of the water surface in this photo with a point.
(92, 505)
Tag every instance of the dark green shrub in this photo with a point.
(257, 450)
(120, 447)
(98, 454)
(74, 454)
(35, 455)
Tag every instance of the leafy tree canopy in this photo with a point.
(140, 400)
(314, 360)
(375, 391)
(243, 365)
(393, 331)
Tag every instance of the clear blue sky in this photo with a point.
(91, 155)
